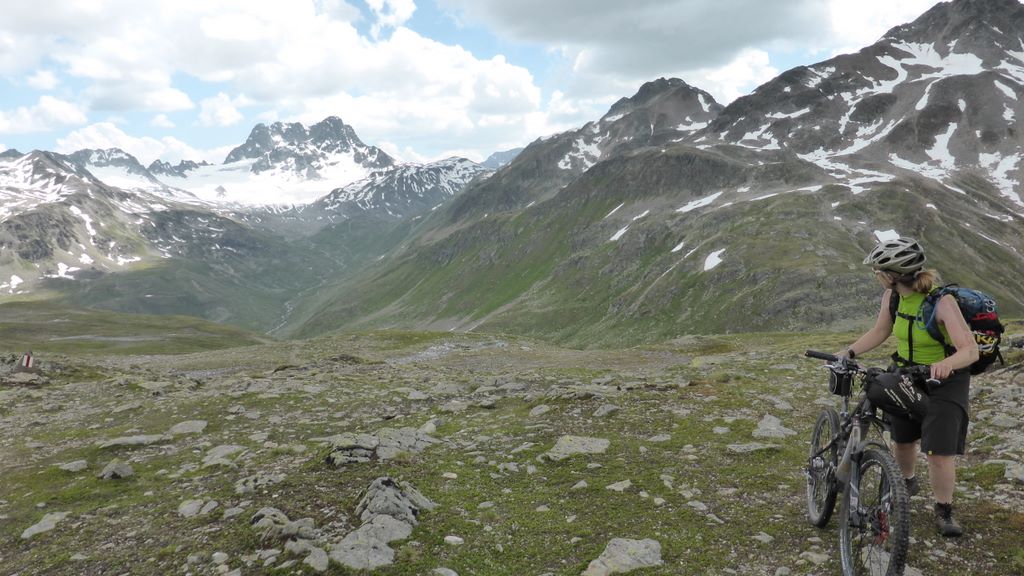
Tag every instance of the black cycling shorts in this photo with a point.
(943, 432)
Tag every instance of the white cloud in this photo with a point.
(390, 13)
(339, 10)
(219, 111)
(612, 47)
(161, 121)
(747, 71)
(644, 39)
(43, 80)
(859, 24)
(103, 135)
(47, 114)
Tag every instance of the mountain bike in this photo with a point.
(874, 515)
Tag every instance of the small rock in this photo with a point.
(508, 467)
(623, 555)
(567, 446)
(763, 538)
(219, 455)
(26, 378)
(816, 558)
(49, 522)
(189, 427)
(190, 508)
(620, 486)
(220, 558)
(133, 441)
(454, 540)
(444, 572)
(579, 485)
(116, 470)
(660, 438)
(450, 476)
(697, 505)
(605, 410)
(540, 410)
(367, 547)
(76, 466)
(232, 513)
(771, 427)
(251, 484)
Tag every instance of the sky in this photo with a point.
(421, 79)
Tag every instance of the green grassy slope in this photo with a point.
(44, 326)
(790, 261)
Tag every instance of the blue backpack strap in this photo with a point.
(930, 308)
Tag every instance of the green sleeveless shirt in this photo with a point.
(926, 349)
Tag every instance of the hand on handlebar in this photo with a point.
(941, 370)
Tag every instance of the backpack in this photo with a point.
(979, 310)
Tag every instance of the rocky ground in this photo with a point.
(438, 454)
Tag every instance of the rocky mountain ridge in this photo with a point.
(672, 214)
(103, 230)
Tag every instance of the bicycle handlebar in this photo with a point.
(921, 371)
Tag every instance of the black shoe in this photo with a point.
(912, 486)
(944, 521)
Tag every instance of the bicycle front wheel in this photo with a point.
(874, 519)
(821, 468)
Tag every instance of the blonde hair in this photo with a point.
(924, 281)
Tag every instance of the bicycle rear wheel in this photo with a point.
(821, 468)
(874, 519)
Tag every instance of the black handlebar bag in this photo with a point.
(896, 393)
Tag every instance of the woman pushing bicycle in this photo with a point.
(936, 417)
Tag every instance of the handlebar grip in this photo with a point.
(821, 355)
(924, 372)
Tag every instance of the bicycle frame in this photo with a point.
(863, 416)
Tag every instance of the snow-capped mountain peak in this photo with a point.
(306, 148)
(936, 98)
(406, 189)
(282, 164)
(160, 168)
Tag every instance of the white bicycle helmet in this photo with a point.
(902, 255)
